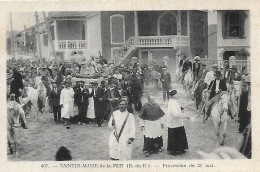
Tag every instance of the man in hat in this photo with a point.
(151, 124)
(67, 103)
(244, 113)
(166, 83)
(235, 75)
(81, 100)
(196, 66)
(210, 76)
(99, 103)
(54, 101)
(112, 97)
(203, 71)
(16, 85)
(215, 88)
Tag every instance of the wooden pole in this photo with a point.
(49, 35)
(12, 33)
(38, 37)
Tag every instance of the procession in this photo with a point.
(98, 108)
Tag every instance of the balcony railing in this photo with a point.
(158, 41)
(70, 44)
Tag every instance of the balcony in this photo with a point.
(157, 41)
(70, 44)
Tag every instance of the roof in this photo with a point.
(70, 14)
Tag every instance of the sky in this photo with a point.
(23, 18)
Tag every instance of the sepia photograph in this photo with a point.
(128, 85)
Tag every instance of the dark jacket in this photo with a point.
(166, 80)
(212, 87)
(82, 97)
(196, 68)
(186, 64)
(54, 98)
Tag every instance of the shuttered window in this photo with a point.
(233, 24)
(117, 29)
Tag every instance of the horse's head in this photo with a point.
(13, 113)
(225, 99)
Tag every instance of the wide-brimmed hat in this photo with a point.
(44, 66)
(172, 92)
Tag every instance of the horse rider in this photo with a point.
(210, 76)
(185, 67)
(16, 85)
(45, 75)
(196, 67)
(215, 88)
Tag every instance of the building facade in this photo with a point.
(151, 36)
(232, 32)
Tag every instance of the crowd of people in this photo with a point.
(114, 94)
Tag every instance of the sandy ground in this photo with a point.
(43, 138)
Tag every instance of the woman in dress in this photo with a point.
(177, 140)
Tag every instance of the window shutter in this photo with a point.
(224, 25)
(241, 25)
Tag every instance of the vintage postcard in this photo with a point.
(129, 85)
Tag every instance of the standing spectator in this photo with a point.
(67, 103)
(55, 103)
(151, 124)
(177, 140)
(91, 109)
(99, 103)
(166, 83)
(112, 97)
(136, 91)
(123, 124)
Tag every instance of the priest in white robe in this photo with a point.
(67, 102)
(122, 136)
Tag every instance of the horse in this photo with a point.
(219, 112)
(198, 92)
(42, 94)
(188, 80)
(14, 112)
(178, 75)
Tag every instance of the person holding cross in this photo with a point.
(122, 136)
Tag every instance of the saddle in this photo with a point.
(212, 102)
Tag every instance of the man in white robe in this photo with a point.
(120, 143)
(67, 102)
(210, 76)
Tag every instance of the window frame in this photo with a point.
(241, 25)
(111, 32)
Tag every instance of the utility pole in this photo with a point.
(12, 36)
(49, 35)
(38, 37)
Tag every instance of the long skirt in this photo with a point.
(177, 140)
(152, 144)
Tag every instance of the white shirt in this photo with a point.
(209, 77)
(217, 86)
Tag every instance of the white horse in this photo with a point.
(219, 112)
(188, 80)
(178, 75)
